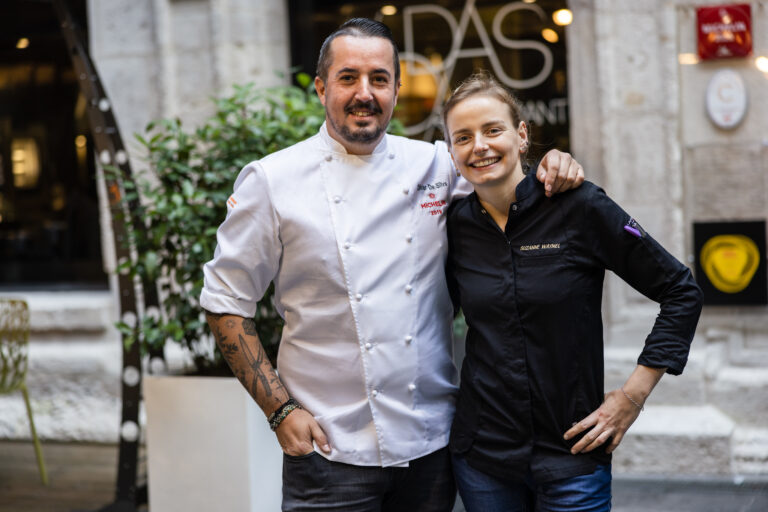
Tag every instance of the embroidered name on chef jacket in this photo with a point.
(431, 202)
(540, 247)
(432, 186)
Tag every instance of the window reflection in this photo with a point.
(26, 163)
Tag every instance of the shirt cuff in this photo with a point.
(673, 365)
(223, 304)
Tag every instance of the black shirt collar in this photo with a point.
(528, 191)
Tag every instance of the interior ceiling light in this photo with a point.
(388, 10)
(563, 17)
(550, 35)
(22, 43)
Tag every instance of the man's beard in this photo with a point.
(362, 134)
(368, 134)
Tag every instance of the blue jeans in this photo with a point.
(481, 492)
(312, 482)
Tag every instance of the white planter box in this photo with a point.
(209, 447)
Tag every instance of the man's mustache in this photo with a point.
(370, 106)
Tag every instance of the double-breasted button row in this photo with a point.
(375, 392)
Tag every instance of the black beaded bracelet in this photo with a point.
(281, 412)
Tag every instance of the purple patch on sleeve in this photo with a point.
(633, 231)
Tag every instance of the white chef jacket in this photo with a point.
(356, 247)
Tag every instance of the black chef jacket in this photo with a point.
(531, 296)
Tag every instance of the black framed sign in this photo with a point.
(731, 262)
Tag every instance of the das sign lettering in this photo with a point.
(442, 73)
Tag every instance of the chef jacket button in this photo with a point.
(375, 392)
(514, 207)
(359, 297)
(408, 289)
(408, 339)
(337, 199)
(405, 191)
(409, 238)
(391, 156)
(368, 346)
(328, 158)
(411, 387)
(347, 245)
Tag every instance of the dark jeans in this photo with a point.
(481, 492)
(311, 482)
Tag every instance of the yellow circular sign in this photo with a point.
(730, 262)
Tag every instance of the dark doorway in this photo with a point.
(49, 214)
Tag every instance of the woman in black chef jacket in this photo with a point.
(534, 429)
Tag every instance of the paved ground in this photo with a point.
(82, 480)
(693, 494)
(689, 495)
(81, 477)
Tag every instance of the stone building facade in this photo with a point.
(638, 125)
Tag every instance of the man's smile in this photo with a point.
(363, 109)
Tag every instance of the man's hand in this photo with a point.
(297, 431)
(559, 172)
(611, 420)
(239, 343)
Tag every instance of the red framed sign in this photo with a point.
(724, 31)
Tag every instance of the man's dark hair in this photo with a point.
(357, 27)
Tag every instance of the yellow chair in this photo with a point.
(14, 346)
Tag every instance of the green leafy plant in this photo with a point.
(183, 200)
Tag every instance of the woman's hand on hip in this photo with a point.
(609, 422)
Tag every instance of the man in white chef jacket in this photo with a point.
(350, 226)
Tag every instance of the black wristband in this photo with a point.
(281, 412)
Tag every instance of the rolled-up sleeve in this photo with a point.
(646, 266)
(248, 250)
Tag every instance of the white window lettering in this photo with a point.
(540, 113)
(442, 73)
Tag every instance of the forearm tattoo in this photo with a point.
(248, 361)
(255, 363)
(249, 326)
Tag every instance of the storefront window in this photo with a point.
(49, 215)
(442, 42)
